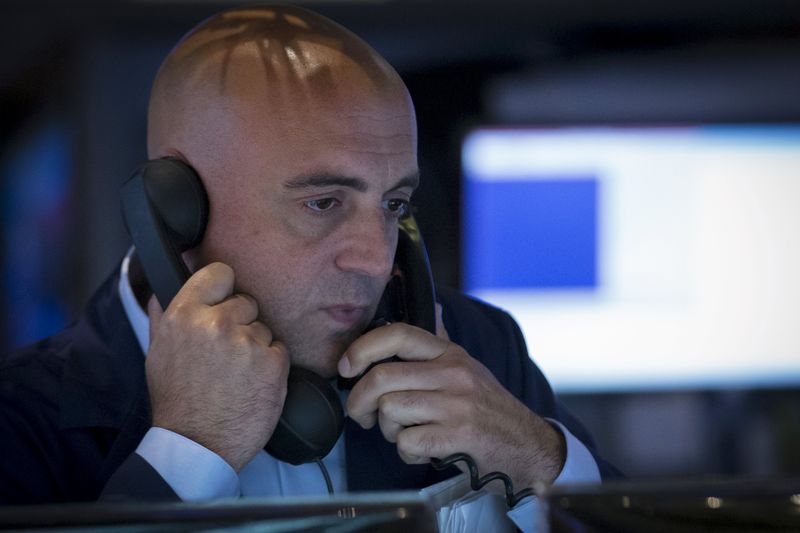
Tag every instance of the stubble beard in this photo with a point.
(313, 347)
(316, 348)
(320, 355)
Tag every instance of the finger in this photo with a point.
(208, 286)
(407, 342)
(240, 308)
(398, 410)
(390, 428)
(418, 444)
(260, 332)
(363, 400)
(412, 459)
(279, 350)
(441, 332)
(154, 313)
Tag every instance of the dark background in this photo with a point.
(74, 82)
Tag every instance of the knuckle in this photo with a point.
(283, 360)
(466, 429)
(404, 443)
(250, 343)
(178, 312)
(280, 351)
(352, 407)
(261, 331)
(277, 361)
(464, 376)
(379, 375)
(389, 428)
(385, 406)
(414, 444)
(412, 401)
(219, 325)
(250, 302)
(368, 420)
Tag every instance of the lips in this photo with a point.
(347, 315)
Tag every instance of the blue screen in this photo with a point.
(534, 233)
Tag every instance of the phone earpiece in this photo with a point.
(165, 209)
(179, 198)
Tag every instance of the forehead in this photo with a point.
(246, 140)
(355, 120)
(287, 104)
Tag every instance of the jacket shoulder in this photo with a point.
(30, 376)
(61, 402)
(488, 334)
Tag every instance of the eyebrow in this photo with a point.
(358, 184)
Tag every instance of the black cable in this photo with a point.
(477, 482)
(321, 466)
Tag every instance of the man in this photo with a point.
(305, 141)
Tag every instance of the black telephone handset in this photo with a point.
(165, 209)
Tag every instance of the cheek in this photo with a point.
(274, 261)
(267, 263)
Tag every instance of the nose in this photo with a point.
(367, 244)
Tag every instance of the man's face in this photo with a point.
(305, 200)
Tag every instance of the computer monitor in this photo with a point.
(641, 257)
(733, 506)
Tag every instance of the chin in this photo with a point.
(323, 362)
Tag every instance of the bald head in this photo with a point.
(291, 61)
(305, 140)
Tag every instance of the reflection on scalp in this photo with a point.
(294, 45)
(283, 71)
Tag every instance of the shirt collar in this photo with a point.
(133, 311)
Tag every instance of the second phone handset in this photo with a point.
(165, 209)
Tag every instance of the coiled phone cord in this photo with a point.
(476, 482)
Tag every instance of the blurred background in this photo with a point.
(622, 176)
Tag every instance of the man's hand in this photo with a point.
(439, 401)
(214, 373)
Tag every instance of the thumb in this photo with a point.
(154, 313)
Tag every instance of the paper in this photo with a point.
(461, 510)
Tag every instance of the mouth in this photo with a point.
(347, 315)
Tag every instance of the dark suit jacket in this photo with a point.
(74, 407)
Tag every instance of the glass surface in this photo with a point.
(734, 506)
(387, 512)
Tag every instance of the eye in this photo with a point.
(321, 205)
(398, 207)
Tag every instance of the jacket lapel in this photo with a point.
(374, 465)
